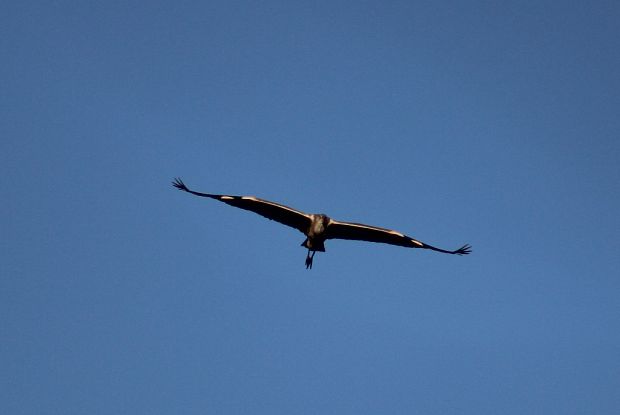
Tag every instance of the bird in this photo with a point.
(319, 227)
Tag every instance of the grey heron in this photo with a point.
(319, 227)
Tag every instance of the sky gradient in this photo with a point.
(494, 125)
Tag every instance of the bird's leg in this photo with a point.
(309, 259)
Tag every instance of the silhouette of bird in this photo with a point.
(318, 227)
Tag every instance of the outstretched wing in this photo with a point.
(361, 232)
(271, 210)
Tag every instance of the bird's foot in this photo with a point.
(309, 259)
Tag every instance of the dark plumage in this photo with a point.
(318, 227)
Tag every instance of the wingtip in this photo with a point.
(178, 183)
(464, 250)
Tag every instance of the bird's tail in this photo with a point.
(314, 245)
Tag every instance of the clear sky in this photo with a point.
(490, 123)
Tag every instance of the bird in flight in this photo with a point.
(319, 227)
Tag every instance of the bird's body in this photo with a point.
(319, 227)
(315, 240)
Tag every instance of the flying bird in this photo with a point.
(318, 227)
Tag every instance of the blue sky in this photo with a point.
(486, 123)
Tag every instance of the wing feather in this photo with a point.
(361, 232)
(270, 210)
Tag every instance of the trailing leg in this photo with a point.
(309, 259)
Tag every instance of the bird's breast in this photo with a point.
(317, 227)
